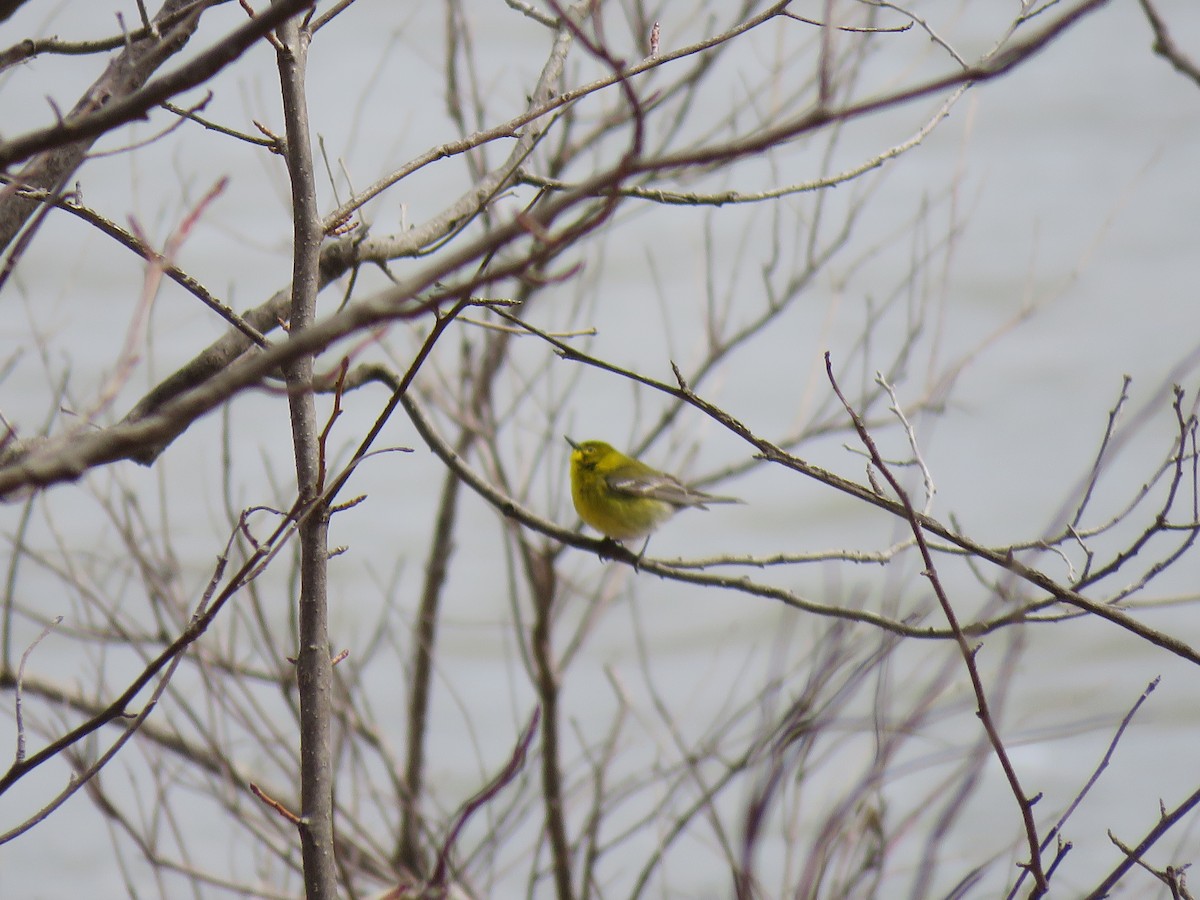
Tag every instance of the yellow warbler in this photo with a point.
(626, 499)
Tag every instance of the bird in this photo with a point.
(625, 499)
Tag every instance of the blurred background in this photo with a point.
(1005, 273)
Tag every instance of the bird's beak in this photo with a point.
(571, 442)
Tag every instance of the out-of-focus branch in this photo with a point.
(996, 65)
(339, 257)
(135, 105)
(724, 198)
(135, 243)
(31, 47)
(482, 797)
(68, 456)
(128, 71)
(428, 612)
(983, 707)
(1165, 46)
(548, 683)
(118, 708)
(8, 7)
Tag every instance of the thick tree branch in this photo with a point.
(314, 668)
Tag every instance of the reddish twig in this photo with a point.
(515, 763)
(274, 804)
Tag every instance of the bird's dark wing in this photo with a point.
(659, 486)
